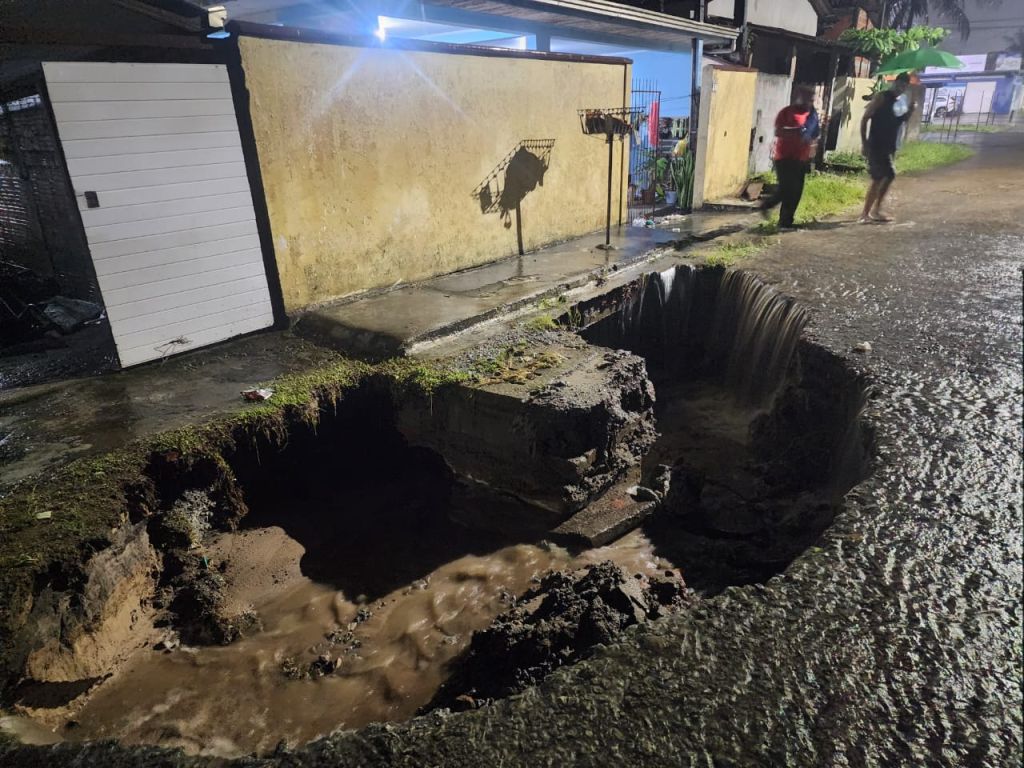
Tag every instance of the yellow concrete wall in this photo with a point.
(729, 118)
(848, 107)
(370, 157)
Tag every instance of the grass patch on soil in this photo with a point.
(514, 364)
(542, 323)
(925, 155)
(952, 128)
(727, 254)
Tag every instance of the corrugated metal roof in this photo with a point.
(601, 17)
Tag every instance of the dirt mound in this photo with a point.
(557, 622)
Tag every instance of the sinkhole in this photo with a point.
(363, 570)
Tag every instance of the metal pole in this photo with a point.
(608, 219)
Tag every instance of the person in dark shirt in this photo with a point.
(887, 111)
(796, 130)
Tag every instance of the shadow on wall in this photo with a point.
(521, 172)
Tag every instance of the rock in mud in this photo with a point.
(557, 622)
(681, 488)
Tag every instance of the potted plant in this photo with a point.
(681, 173)
(657, 171)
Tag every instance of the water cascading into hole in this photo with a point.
(693, 323)
(756, 439)
(758, 329)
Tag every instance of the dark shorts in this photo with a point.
(880, 166)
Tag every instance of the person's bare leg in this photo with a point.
(883, 189)
(869, 201)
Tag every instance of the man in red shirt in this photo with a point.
(796, 131)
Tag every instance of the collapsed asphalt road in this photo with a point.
(897, 640)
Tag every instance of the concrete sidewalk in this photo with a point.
(48, 425)
(395, 322)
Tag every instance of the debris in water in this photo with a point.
(556, 622)
(167, 645)
(863, 347)
(257, 395)
(324, 665)
(68, 314)
(642, 493)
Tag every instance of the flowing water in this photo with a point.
(393, 649)
(367, 589)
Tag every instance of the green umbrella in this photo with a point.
(919, 59)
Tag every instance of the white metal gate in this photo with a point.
(156, 162)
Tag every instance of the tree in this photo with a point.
(901, 14)
(882, 44)
(1015, 42)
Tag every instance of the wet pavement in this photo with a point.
(45, 426)
(897, 641)
(394, 322)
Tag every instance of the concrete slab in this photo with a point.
(391, 323)
(556, 441)
(606, 519)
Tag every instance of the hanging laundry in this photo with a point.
(653, 121)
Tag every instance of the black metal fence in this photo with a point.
(659, 180)
(40, 229)
(643, 156)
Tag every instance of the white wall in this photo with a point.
(174, 238)
(978, 97)
(771, 95)
(793, 15)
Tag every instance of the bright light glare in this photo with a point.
(380, 33)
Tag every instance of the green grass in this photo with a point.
(542, 323)
(925, 155)
(964, 127)
(727, 254)
(514, 364)
(826, 194)
(851, 160)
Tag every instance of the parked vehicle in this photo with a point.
(946, 106)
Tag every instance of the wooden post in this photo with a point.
(826, 105)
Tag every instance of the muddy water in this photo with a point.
(233, 700)
(354, 561)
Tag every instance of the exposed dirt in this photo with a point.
(556, 622)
